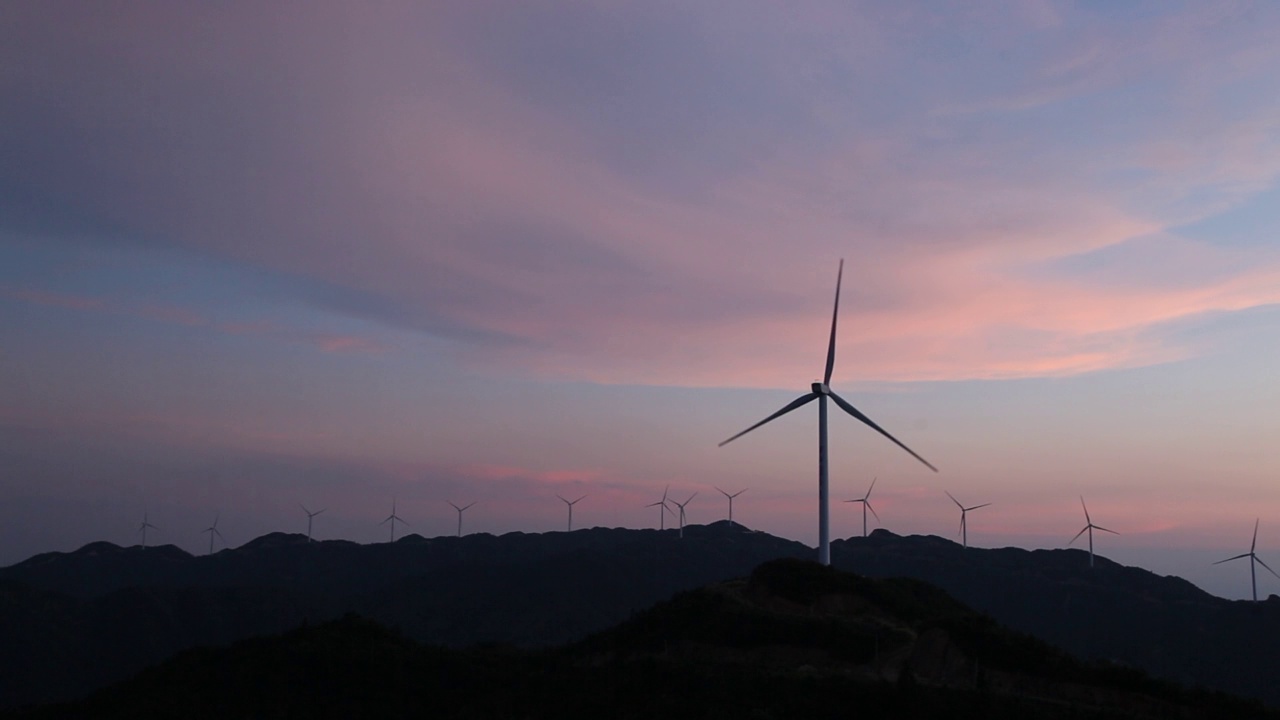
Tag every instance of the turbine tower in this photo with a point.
(461, 510)
(964, 519)
(392, 518)
(1253, 558)
(662, 508)
(213, 530)
(1090, 527)
(311, 515)
(681, 506)
(866, 505)
(731, 497)
(570, 504)
(820, 391)
(143, 528)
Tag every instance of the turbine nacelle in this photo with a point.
(819, 388)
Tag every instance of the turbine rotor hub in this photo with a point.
(820, 388)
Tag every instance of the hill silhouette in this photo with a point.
(73, 622)
(794, 639)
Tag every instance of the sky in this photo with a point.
(256, 255)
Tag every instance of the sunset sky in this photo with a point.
(260, 254)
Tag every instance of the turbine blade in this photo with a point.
(304, 508)
(1113, 532)
(854, 412)
(562, 498)
(655, 504)
(473, 502)
(802, 400)
(455, 507)
(873, 487)
(575, 502)
(1268, 567)
(954, 500)
(975, 507)
(1077, 537)
(318, 511)
(667, 489)
(1254, 545)
(1231, 558)
(1087, 519)
(717, 487)
(691, 497)
(835, 314)
(873, 510)
(739, 492)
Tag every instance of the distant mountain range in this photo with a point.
(74, 622)
(795, 639)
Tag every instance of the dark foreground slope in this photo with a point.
(72, 622)
(794, 640)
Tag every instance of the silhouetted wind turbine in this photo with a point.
(143, 528)
(1090, 527)
(820, 391)
(731, 497)
(392, 518)
(866, 505)
(681, 506)
(213, 530)
(1253, 574)
(663, 509)
(964, 519)
(570, 504)
(461, 510)
(311, 515)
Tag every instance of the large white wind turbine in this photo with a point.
(1253, 558)
(820, 391)
(1090, 527)
(143, 528)
(213, 530)
(392, 518)
(681, 506)
(662, 508)
(463, 509)
(570, 504)
(866, 505)
(964, 520)
(731, 497)
(311, 515)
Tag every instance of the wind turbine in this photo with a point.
(866, 505)
(143, 528)
(731, 497)
(681, 506)
(392, 518)
(311, 515)
(1091, 527)
(566, 502)
(1253, 558)
(460, 511)
(964, 520)
(820, 391)
(663, 509)
(213, 530)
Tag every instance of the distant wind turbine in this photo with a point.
(570, 504)
(1090, 527)
(964, 520)
(681, 506)
(463, 509)
(731, 497)
(820, 391)
(310, 516)
(143, 528)
(392, 518)
(213, 530)
(1253, 558)
(662, 508)
(866, 505)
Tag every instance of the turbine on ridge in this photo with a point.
(964, 524)
(311, 515)
(570, 504)
(681, 506)
(143, 528)
(662, 508)
(866, 505)
(731, 497)
(1253, 558)
(820, 391)
(461, 510)
(1090, 527)
(392, 518)
(213, 530)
